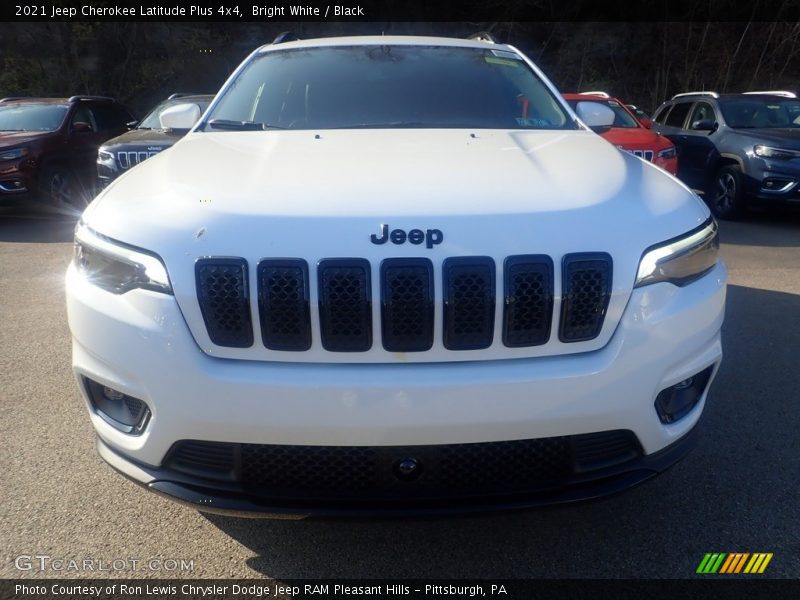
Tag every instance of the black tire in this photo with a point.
(725, 196)
(60, 187)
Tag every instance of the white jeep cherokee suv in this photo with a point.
(387, 275)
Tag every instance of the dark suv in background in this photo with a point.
(48, 146)
(739, 150)
(148, 138)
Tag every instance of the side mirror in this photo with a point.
(595, 114)
(180, 116)
(131, 124)
(81, 127)
(704, 125)
(646, 123)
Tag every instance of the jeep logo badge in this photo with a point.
(431, 237)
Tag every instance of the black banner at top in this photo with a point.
(259, 11)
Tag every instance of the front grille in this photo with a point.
(408, 293)
(469, 297)
(407, 304)
(586, 292)
(447, 470)
(223, 293)
(128, 159)
(529, 300)
(283, 305)
(645, 154)
(345, 309)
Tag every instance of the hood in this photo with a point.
(231, 183)
(636, 138)
(10, 139)
(788, 137)
(158, 138)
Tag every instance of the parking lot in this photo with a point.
(736, 492)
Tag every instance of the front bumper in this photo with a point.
(138, 343)
(773, 181)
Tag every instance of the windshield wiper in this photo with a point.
(240, 125)
(387, 125)
(12, 130)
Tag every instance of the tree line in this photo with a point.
(641, 62)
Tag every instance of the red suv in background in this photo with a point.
(48, 146)
(629, 134)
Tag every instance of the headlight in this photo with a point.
(681, 260)
(13, 154)
(104, 156)
(779, 153)
(115, 267)
(667, 152)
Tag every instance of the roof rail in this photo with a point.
(712, 94)
(483, 36)
(79, 98)
(596, 93)
(783, 93)
(285, 36)
(12, 98)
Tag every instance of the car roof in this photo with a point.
(386, 40)
(18, 100)
(595, 97)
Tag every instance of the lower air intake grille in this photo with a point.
(283, 304)
(586, 292)
(529, 300)
(345, 309)
(371, 472)
(469, 295)
(407, 304)
(224, 297)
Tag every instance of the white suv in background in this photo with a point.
(393, 274)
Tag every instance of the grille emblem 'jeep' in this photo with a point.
(431, 237)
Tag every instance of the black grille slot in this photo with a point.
(595, 451)
(407, 304)
(283, 304)
(345, 308)
(308, 468)
(528, 300)
(469, 298)
(210, 460)
(586, 290)
(224, 296)
(454, 471)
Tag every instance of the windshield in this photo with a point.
(760, 112)
(151, 120)
(31, 117)
(388, 86)
(622, 118)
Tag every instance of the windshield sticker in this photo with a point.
(529, 122)
(506, 54)
(501, 61)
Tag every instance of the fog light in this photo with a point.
(112, 394)
(126, 413)
(675, 402)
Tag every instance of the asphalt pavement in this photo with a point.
(736, 492)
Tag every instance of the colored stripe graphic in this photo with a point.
(711, 563)
(727, 564)
(758, 563)
(734, 563)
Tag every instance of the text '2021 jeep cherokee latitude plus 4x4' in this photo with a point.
(422, 284)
